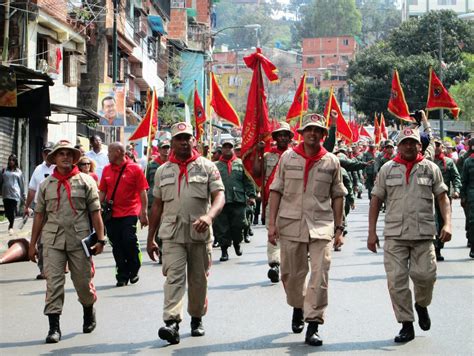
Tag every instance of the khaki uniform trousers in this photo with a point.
(273, 251)
(313, 298)
(414, 259)
(179, 260)
(82, 271)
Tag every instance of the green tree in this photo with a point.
(411, 49)
(329, 18)
(463, 92)
(378, 20)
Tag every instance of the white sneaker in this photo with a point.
(10, 231)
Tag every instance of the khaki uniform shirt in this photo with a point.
(179, 212)
(270, 160)
(307, 213)
(409, 214)
(64, 229)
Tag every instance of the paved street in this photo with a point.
(247, 314)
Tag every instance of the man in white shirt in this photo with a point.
(100, 157)
(41, 172)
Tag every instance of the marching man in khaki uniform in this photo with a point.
(189, 194)
(306, 204)
(408, 184)
(65, 201)
(282, 135)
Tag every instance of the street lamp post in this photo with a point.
(255, 26)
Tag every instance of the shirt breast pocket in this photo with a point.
(322, 185)
(78, 197)
(394, 188)
(167, 227)
(293, 181)
(167, 188)
(198, 187)
(425, 185)
(51, 200)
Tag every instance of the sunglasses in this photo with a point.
(84, 164)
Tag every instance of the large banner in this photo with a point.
(111, 104)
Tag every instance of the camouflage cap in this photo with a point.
(388, 143)
(227, 142)
(409, 133)
(63, 144)
(48, 146)
(181, 128)
(315, 120)
(283, 127)
(164, 143)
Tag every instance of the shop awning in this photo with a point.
(156, 24)
(82, 114)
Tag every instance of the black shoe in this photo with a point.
(170, 332)
(471, 254)
(121, 283)
(197, 329)
(250, 232)
(359, 195)
(134, 279)
(438, 255)
(255, 220)
(238, 249)
(40, 276)
(215, 244)
(263, 221)
(247, 239)
(297, 321)
(312, 337)
(225, 255)
(89, 320)
(54, 333)
(407, 333)
(274, 273)
(423, 317)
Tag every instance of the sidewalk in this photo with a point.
(5, 236)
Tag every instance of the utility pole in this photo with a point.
(441, 77)
(6, 33)
(114, 44)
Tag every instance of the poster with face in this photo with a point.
(111, 104)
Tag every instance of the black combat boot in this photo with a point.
(170, 332)
(423, 317)
(312, 337)
(407, 333)
(54, 333)
(274, 272)
(297, 322)
(89, 319)
(238, 249)
(439, 257)
(225, 255)
(197, 329)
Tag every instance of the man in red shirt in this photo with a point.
(129, 205)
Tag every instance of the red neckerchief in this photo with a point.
(442, 157)
(183, 166)
(310, 160)
(386, 155)
(159, 160)
(408, 164)
(64, 180)
(228, 162)
(371, 151)
(271, 177)
(471, 155)
(450, 155)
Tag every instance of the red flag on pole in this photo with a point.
(59, 57)
(342, 127)
(438, 96)
(377, 132)
(397, 104)
(383, 129)
(149, 125)
(199, 115)
(300, 101)
(355, 131)
(221, 105)
(364, 132)
(256, 126)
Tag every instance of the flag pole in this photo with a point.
(260, 137)
(303, 92)
(210, 115)
(152, 112)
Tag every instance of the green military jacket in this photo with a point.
(380, 160)
(450, 174)
(351, 164)
(366, 157)
(347, 181)
(238, 187)
(461, 160)
(467, 189)
(150, 178)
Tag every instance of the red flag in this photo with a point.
(438, 96)
(221, 105)
(256, 126)
(364, 132)
(397, 104)
(59, 57)
(383, 129)
(377, 132)
(300, 101)
(149, 124)
(342, 127)
(355, 131)
(199, 115)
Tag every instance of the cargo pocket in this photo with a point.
(198, 187)
(393, 225)
(78, 197)
(167, 188)
(167, 227)
(48, 234)
(288, 227)
(197, 236)
(322, 186)
(426, 224)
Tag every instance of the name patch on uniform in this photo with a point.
(293, 168)
(393, 176)
(194, 174)
(169, 175)
(424, 175)
(326, 171)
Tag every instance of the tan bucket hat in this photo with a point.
(63, 144)
(313, 120)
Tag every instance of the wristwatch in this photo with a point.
(102, 242)
(339, 227)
